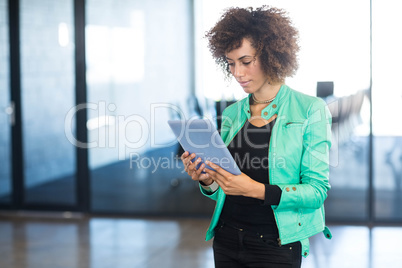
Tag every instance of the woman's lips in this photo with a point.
(244, 83)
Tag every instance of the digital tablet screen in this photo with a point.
(200, 136)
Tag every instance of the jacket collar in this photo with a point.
(271, 109)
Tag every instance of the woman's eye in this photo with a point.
(246, 63)
(230, 63)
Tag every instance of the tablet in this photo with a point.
(200, 136)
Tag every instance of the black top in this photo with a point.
(249, 148)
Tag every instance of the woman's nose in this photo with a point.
(238, 71)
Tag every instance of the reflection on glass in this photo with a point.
(387, 109)
(47, 81)
(138, 68)
(349, 169)
(5, 108)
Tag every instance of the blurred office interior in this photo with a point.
(87, 87)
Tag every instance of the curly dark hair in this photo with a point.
(270, 32)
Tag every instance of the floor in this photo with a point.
(74, 241)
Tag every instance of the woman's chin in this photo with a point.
(248, 90)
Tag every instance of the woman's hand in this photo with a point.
(235, 184)
(191, 169)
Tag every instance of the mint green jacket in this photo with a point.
(298, 162)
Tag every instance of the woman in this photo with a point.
(280, 139)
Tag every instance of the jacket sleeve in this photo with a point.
(212, 195)
(314, 167)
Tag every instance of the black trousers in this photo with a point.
(238, 248)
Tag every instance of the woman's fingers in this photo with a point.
(223, 178)
(204, 177)
(197, 172)
(193, 165)
(215, 176)
(186, 158)
(184, 155)
(218, 169)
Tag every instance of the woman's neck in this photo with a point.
(268, 92)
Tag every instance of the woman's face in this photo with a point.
(246, 68)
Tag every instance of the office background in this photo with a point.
(86, 88)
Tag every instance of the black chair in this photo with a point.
(325, 89)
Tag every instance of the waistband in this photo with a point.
(266, 232)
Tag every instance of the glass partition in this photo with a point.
(142, 71)
(139, 75)
(48, 97)
(387, 110)
(5, 108)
